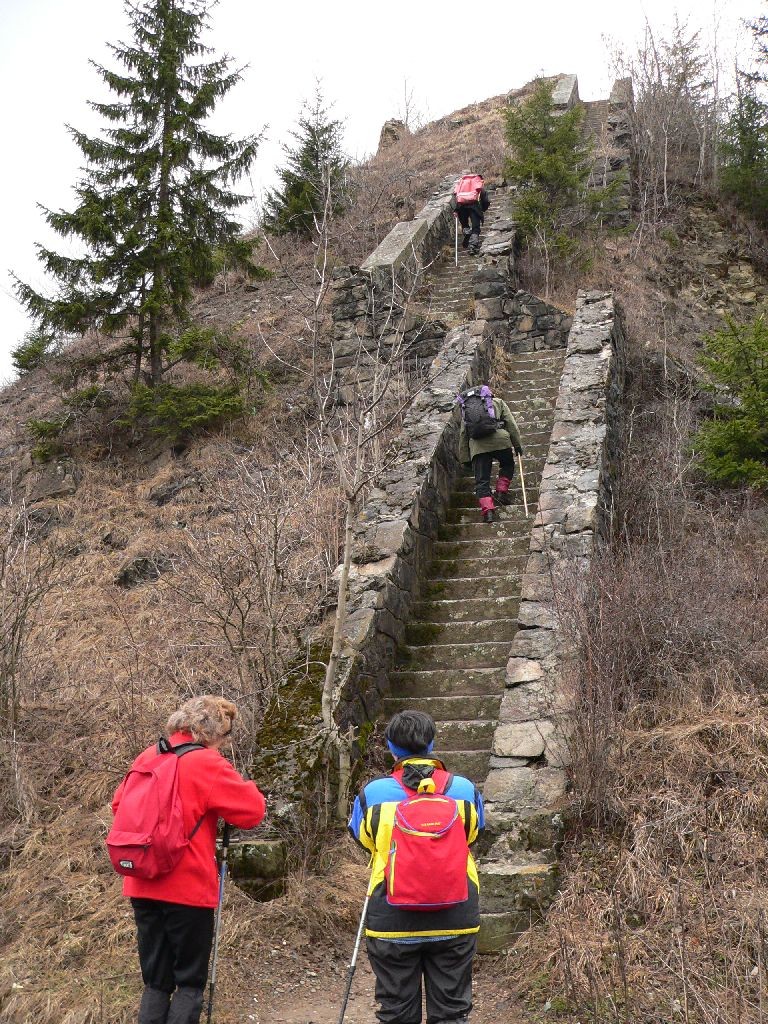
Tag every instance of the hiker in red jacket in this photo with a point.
(175, 912)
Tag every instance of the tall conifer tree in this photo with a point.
(156, 196)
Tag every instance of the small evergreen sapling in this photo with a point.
(551, 165)
(733, 446)
(744, 151)
(314, 175)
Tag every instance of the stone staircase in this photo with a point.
(453, 662)
(595, 117)
(447, 293)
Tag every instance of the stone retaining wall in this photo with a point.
(396, 530)
(526, 788)
(371, 306)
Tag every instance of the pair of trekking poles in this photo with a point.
(217, 929)
(217, 933)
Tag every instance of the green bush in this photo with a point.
(34, 350)
(732, 447)
(47, 435)
(172, 411)
(744, 151)
(92, 397)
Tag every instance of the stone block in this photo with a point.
(522, 739)
(533, 643)
(56, 480)
(525, 789)
(499, 931)
(566, 92)
(522, 888)
(488, 309)
(531, 701)
(536, 615)
(262, 858)
(523, 670)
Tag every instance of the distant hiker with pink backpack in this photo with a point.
(422, 912)
(488, 433)
(469, 203)
(163, 841)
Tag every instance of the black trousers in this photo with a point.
(446, 967)
(467, 214)
(174, 943)
(482, 465)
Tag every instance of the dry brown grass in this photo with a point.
(105, 665)
(661, 916)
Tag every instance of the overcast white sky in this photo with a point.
(363, 52)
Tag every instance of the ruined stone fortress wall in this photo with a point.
(526, 788)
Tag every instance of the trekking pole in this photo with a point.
(222, 877)
(456, 241)
(353, 961)
(522, 483)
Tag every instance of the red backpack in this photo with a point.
(467, 189)
(147, 837)
(427, 864)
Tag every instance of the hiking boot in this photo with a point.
(487, 508)
(501, 494)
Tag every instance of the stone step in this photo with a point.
(511, 523)
(431, 634)
(469, 510)
(526, 888)
(501, 547)
(465, 735)
(488, 654)
(487, 588)
(447, 682)
(448, 709)
(472, 764)
(445, 569)
(470, 514)
(466, 609)
(533, 468)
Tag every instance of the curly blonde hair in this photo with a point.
(208, 718)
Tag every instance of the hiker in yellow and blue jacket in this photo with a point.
(405, 944)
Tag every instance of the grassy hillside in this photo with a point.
(661, 911)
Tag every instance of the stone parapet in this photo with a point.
(526, 788)
(565, 93)
(410, 246)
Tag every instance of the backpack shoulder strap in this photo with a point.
(186, 748)
(443, 782)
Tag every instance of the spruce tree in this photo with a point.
(744, 149)
(313, 176)
(732, 446)
(551, 166)
(154, 206)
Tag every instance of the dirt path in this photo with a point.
(306, 987)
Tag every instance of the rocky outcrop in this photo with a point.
(142, 568)
(54, 480)
(391, 132)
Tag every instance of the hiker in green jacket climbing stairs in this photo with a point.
(488, 432)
